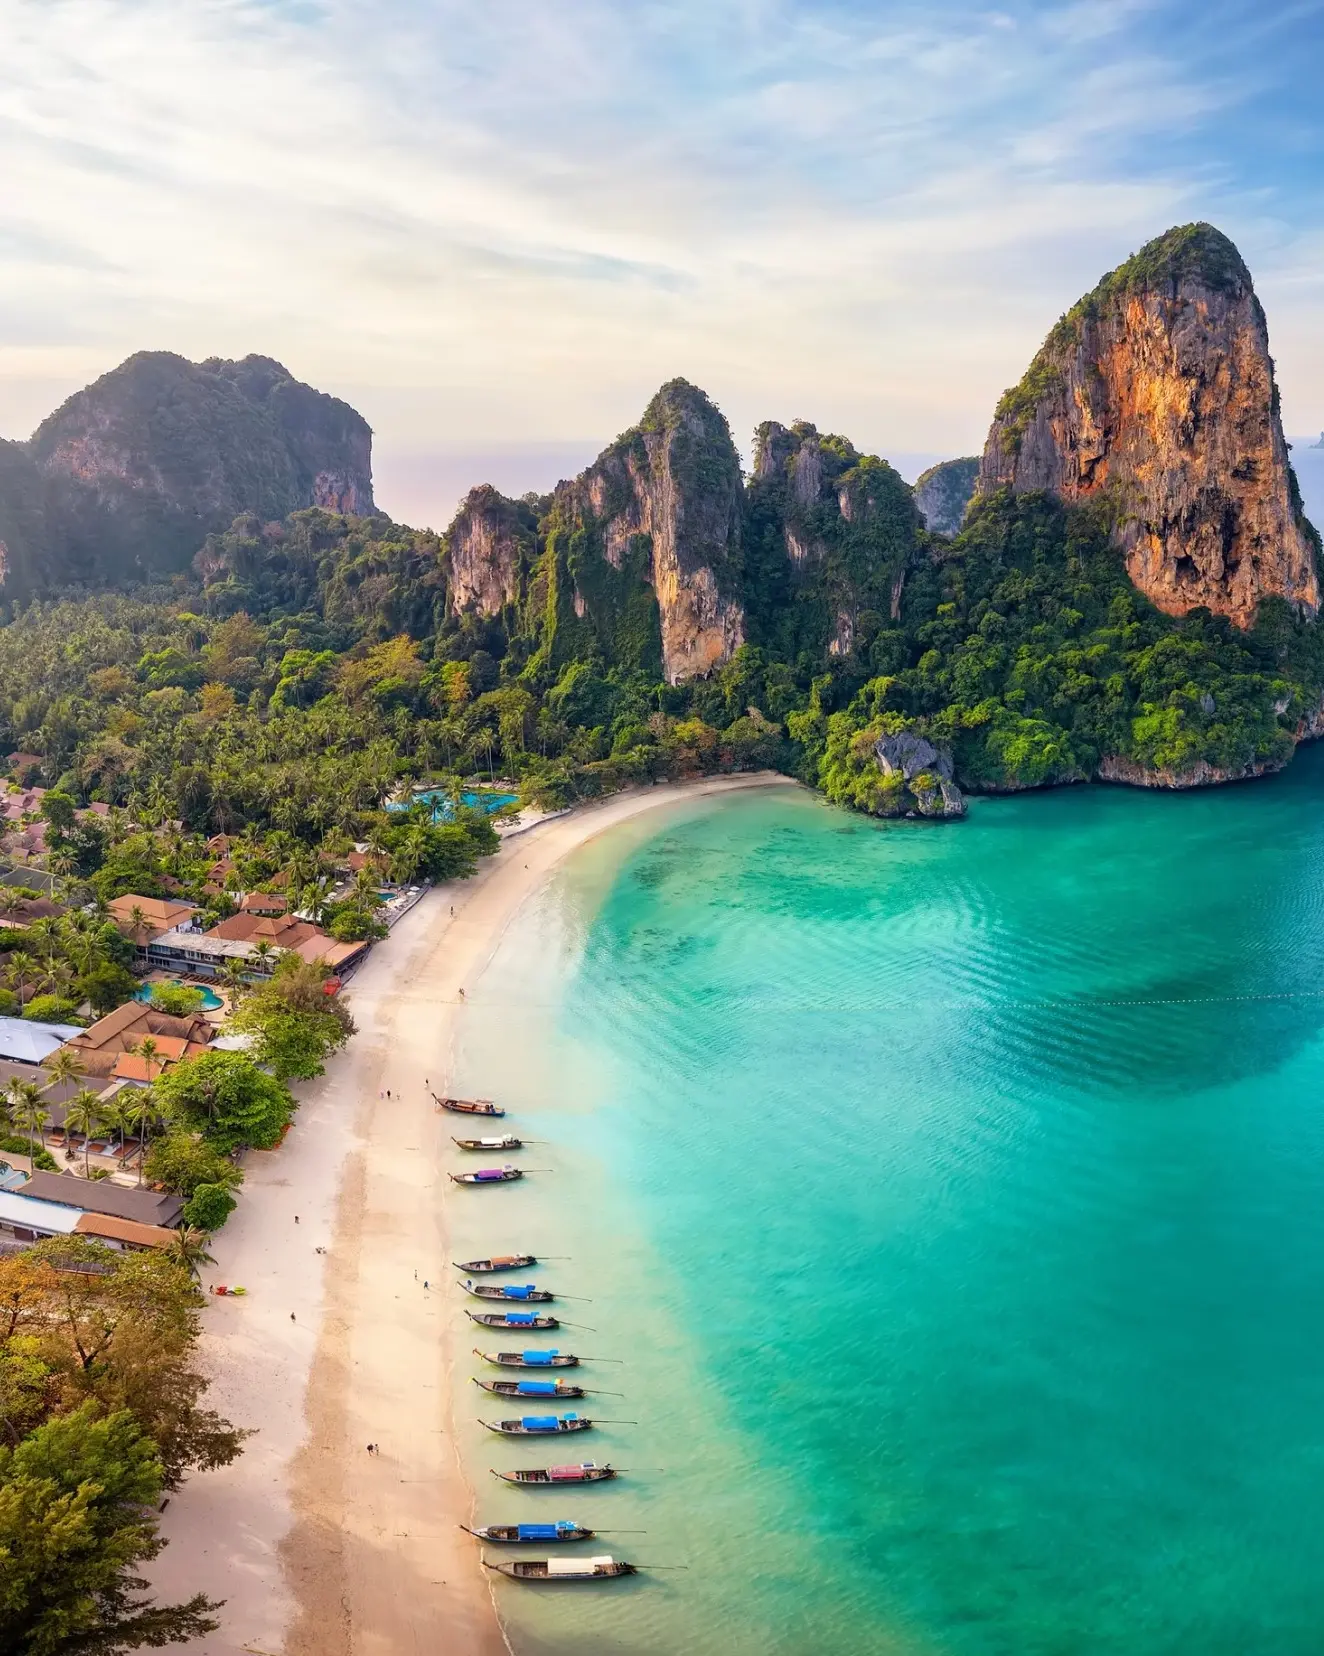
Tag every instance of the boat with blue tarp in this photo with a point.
(527, 1291)
(512, 1319)
(531, 1388)
(515, 1533)
(488, 1175)
(529, 1359)
(539, 1425)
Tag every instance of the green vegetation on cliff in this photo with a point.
(1187, 253)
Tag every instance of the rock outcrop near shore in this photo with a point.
(1155, 396)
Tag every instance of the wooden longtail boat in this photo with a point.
(539, 1425)
(531, 1532)
(531, 1388)
(546, 1477)
(528, 1359)
(512, 1319)
(488, 1175)
(491, 1291)
(468, 1106)
(507, 1141)
(563, 1569)
(498, 1262)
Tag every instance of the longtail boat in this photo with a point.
(512, 1319)
(564, 1531)
(546, 1476)
(539, 1425)
(498, 1262)
(528, 1359)
(531, 1388)
(468, 1106)
(489, 1175)
(529, 1292)
(507, 1141)
(564, 1569)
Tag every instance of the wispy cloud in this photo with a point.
(511, 221)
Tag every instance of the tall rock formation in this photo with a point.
(491, 547)
(944, 491)
(138, 468)
(643, 558)
(843, 528)
(1156, 394)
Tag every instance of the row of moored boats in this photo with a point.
(508, 1315)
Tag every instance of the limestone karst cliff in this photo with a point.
(636, 562)
(1155, 395)
(491, 547)
(832, 535)
(127, 478)
(662, 504)
(943, 492)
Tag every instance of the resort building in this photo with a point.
(105, 1045)
(32, 1043)
(289, 932)
(143, 1207)
(25, 1219)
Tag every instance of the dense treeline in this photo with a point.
(100, 1413)
(316, 672)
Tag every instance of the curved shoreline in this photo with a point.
(319, 1548)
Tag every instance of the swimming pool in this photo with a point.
(210, 999)
(440, 802)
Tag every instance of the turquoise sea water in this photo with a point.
(955, 1199)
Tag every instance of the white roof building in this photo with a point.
(33, 1043)
(30, 1214)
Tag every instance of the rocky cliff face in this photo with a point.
(643, 555)
(490, 549)
(943, 492)
(139, 467)
(1155, 394)
(846, 525)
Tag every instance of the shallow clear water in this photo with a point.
(954, 1197)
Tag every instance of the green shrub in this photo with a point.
(51, 1009)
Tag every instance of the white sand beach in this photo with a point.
(318, 1547)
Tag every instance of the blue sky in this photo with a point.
(497, 227)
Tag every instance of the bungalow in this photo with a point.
(145, 918)
(264, 902)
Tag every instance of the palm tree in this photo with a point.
(189, 1249)
(137, 923)
(139, 1114)
(261, 955)
(64, 1066)
(82, 1114)
(30, 1113)
(20, 970)
(147, 1049)
(232, 976)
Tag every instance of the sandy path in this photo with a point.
(319, 1548)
